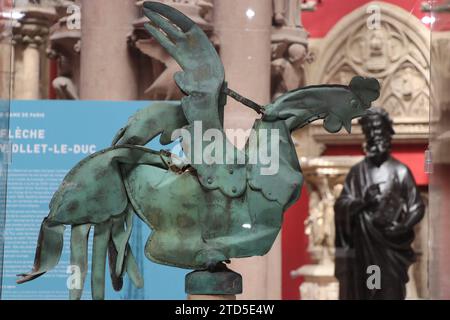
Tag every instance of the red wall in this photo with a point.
(320, 21)
(442, 22)
(411, 155)
(53, 73)
(294, 245)
(294, 240)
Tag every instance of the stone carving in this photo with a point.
(163, 66)
(65, 47)
(327, 289)
(388, 54)
(324, 178)
(287, 13)
(163, 86)
(33, 29)
(287, 67)
(29, 34)
(395, 51)
(63, 84)
(279, 12)
(319, 225)
(289, 47)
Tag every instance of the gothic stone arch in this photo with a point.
(395, 51)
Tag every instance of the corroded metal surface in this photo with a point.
(222, 281)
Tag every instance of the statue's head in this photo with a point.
(378, 130)
(297, 53)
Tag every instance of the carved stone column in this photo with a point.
(107, 68)
(30, 32)
(31, 69)
(324, 178)
(5, 61)
(243, 28)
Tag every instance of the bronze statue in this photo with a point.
(375, 216)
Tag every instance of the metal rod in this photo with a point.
(247, 102)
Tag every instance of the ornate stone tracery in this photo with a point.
(395, 51)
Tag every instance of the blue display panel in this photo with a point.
(47, 139)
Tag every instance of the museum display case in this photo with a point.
(82, 78)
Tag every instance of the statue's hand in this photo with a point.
(396, 229)
(372, 196)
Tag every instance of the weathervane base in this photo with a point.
(222, 282)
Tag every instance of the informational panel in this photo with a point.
(47, 139)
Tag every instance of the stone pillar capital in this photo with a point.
(33, 28)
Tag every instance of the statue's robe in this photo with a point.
(361, 239)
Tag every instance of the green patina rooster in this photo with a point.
(201, 214)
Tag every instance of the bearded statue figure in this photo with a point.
(374, 216)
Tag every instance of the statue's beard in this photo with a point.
(378, 149)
